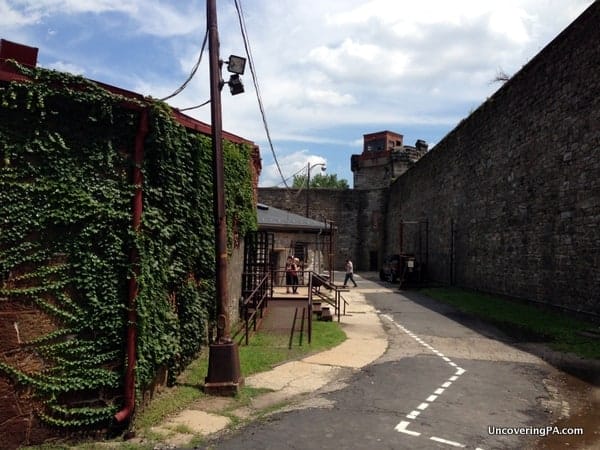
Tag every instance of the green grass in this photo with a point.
(269, 349)
(264, 351)
(561, 332)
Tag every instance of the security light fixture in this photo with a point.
(236, 64)
(235, 84)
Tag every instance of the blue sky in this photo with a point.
(328, 71)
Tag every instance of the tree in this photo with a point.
(501, 77)
(321, 181)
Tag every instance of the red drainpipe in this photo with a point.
(136, 220)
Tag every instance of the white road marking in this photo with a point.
(401, 427)
(445, 441)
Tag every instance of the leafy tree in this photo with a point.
(321, 181)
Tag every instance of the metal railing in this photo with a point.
(339, 303)
(252, 309)
(253, 305)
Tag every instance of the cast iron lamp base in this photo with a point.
(224, 376)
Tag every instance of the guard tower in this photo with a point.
(384, 158)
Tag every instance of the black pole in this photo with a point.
(307, 187)
(218, 171)
(224, 375)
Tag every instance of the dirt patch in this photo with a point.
(584, 413)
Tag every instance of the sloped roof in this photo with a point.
(276, 219)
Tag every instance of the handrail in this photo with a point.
(257, 297)
(337, 302)
(257, 300)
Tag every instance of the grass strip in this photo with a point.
(264, 351)
(561, 331)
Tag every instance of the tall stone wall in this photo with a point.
(358, 215)
(512, 194)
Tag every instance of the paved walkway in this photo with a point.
(366, 341)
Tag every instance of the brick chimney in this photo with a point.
(23, 54)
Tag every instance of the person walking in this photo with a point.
(349, 273)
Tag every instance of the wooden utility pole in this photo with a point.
(224, 375)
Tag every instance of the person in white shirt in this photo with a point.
(349, 273)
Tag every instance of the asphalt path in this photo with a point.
(444, 382)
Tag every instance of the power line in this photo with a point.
(194, 69)
(256, 88)
(194, 107)
(302, 169)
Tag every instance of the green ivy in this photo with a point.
(65, 238)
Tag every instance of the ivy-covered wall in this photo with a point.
(66, 148)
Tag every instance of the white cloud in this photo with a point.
(329, 97)
(14, 18)
(153, 17)
(62, 66)
(295, 163)
(323, 66)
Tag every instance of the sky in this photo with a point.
(328, 71)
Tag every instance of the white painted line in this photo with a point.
(401, 428)
(413, 414)
(445, 441)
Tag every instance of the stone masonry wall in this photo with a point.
(519, 181)
(358, 216)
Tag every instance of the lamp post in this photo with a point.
(224, 375)
(308, 167)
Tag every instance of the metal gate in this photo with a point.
(258, 261)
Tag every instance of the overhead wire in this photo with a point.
(302, 169)
(194, 107)
(241, 20)
(192, 73)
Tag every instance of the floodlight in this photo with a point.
(235, 84)
(236, 64)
